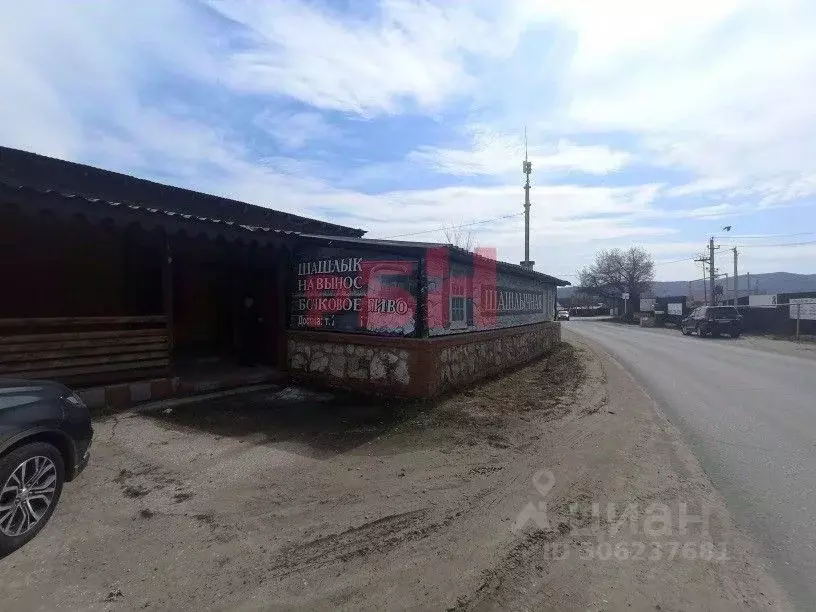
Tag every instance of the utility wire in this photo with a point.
(781, 244)
(749, 246)
(764, 236)
(662, 263)
(449, 227)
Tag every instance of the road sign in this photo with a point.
(647, 304)
(803, 308)
(625, 296)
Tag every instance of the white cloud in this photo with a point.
(408, 52)
(296, 130)
(717, 211)
(703, 185)
(72, 71)
(592, 159)
(493, 154)
(719, 88)
(783, 190)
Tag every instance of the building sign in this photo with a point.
(504, 300)
(343, 290)
(765, 301)
(675, 308)
(803, 308)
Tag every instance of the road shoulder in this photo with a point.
(652, 464)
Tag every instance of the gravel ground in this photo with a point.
(250, 503)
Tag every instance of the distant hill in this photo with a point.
(772, 282)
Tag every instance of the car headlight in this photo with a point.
(74, 400)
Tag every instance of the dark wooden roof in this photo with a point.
(46, 174)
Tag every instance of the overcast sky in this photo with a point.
(650, 123)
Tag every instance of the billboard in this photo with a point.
(675, 308)
(765, 301)
(647, 304)
(803, 308)
(346, 290)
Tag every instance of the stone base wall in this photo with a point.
(464, 360)
(354, 361)
(414, 367)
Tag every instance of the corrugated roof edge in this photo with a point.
(22, 157)
(149, 210)
(422, 246)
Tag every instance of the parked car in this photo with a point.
(714, 320)
(563, 315)
(45, 438)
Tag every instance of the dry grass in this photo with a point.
(546, 387)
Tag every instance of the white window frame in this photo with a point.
(458, 293)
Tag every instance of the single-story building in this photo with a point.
(108, 277)
(411, 318)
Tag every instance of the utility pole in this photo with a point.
(705, 285)
(711, 278)
(748, 283)
(736, 278)
(703, 260)
(690, 297)
(526, 168)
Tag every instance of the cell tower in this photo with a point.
(526, 168)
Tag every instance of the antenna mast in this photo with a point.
(526, 168)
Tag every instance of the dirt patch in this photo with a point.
(544, 390)
(131, 491)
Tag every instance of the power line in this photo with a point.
(781, 244)
(663, 263)
(763, 236)
(449, 227)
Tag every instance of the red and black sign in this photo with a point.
(352, 291)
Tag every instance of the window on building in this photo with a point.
(458, 308)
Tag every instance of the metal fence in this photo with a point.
(794, 318)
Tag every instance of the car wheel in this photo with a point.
(686, 331)
(702, 331)
(31, 479)
(735, 333)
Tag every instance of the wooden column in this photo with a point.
(282, 270)
(167, 290)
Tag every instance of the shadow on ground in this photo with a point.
(326, 423)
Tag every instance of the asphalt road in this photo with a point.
(749, 415)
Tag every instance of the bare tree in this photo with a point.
(460, 238)
(618, 271)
